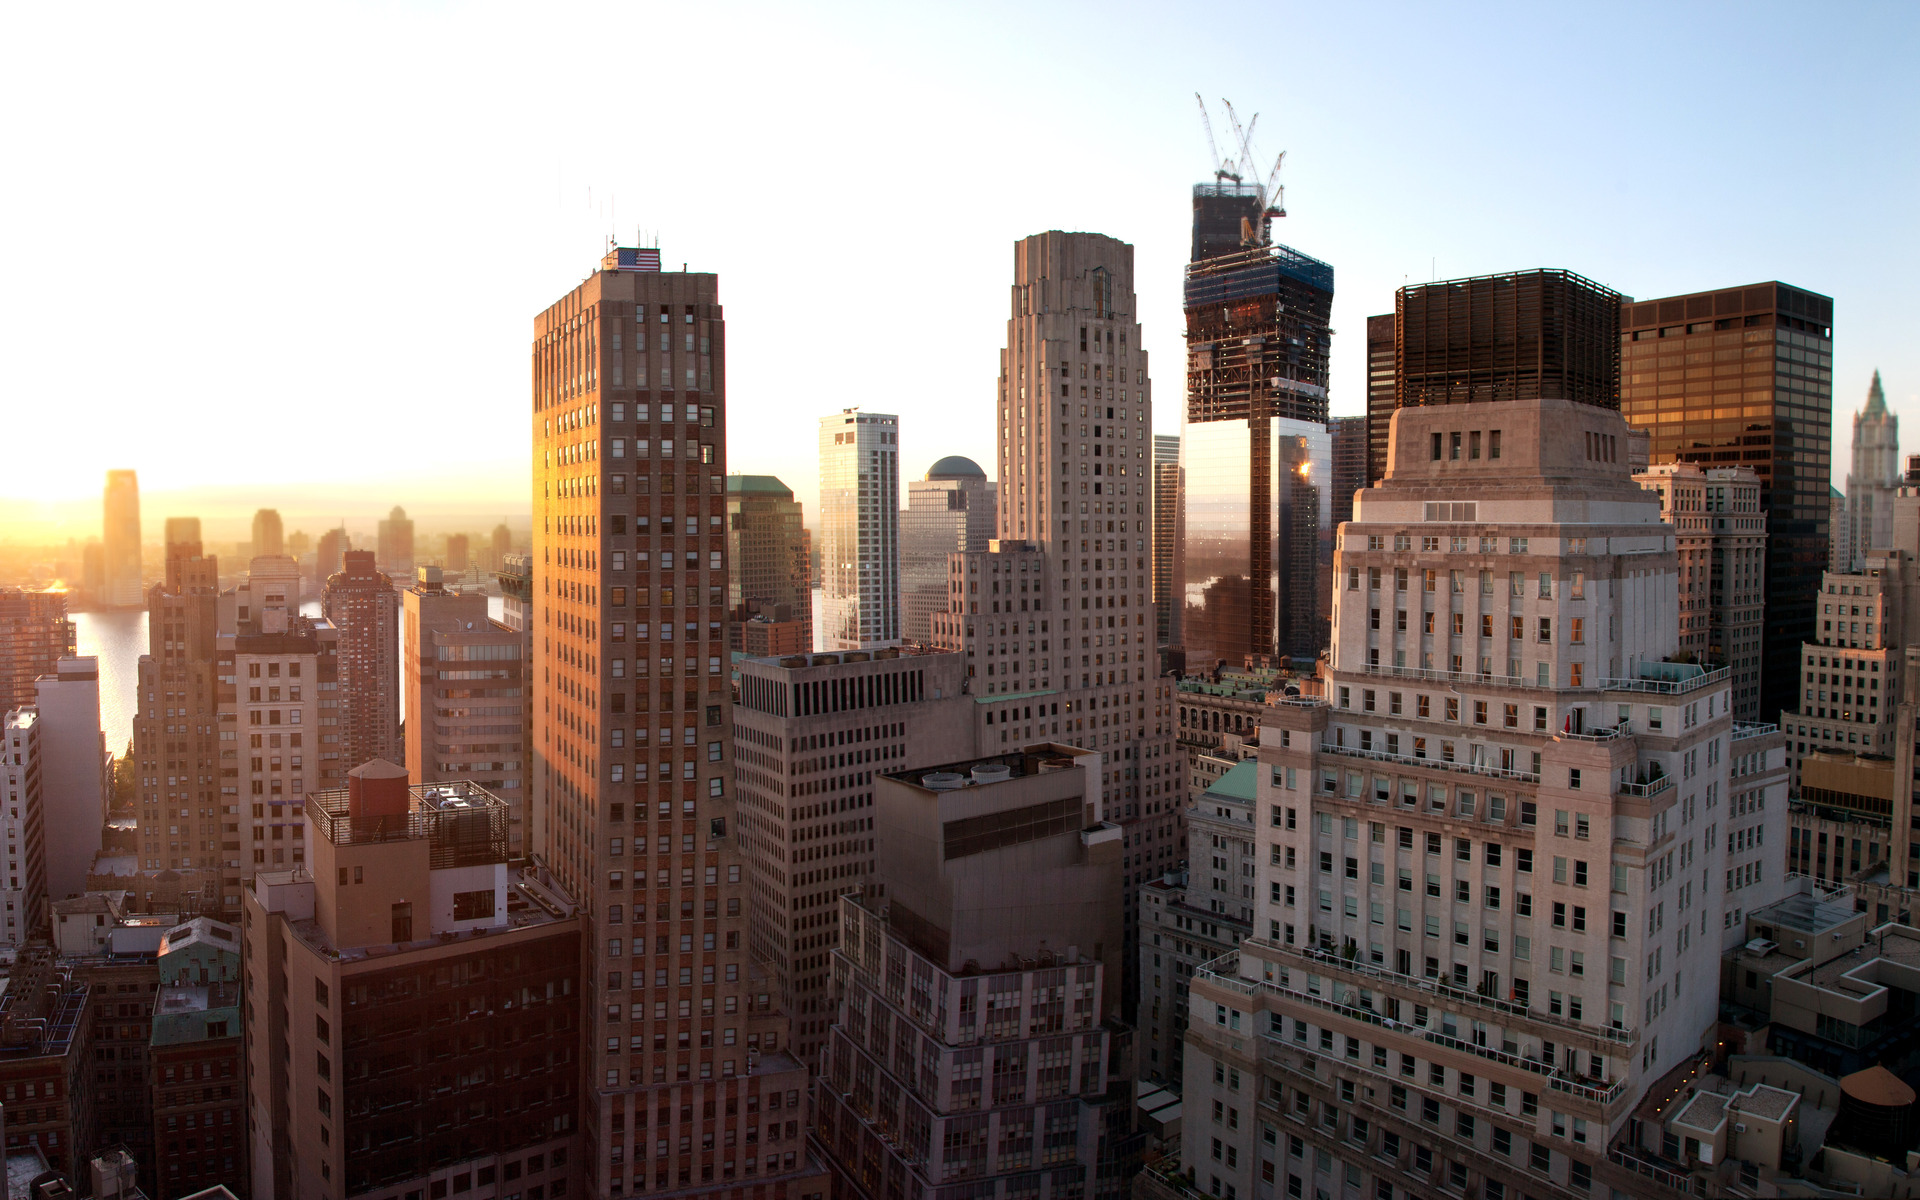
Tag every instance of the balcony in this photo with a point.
(1653, 787)
(1621, 730)
(1465, 768)
(1433, 675)
(1747, 729)
(1667, 687)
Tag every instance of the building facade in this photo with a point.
(194, 1060)
(767, 555)
(1349, 436)
(1486, 923)
(1380, 393)
(467, 691)
(1721, 539)
(859, 529)
(951, 510)
(120, 535)
(34, 635)
(686, 1049)
(76, 781)
(362, 604)
(810, 733)
(1771, 362)
(1874, 476)
(1166, 535)
(22, 767)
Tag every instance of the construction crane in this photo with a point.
(1223, 168)
(1272, 194)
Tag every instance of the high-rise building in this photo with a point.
(1256, 505)
(457, 560)
(298, 543)
(395, 542)
(75, 777)
(22, 768)
(1495, 850)
(766, 553)
(1839, 544)
(1380, 375)
(502, 545)
(329, 553)
(1720, 536)
(951, 510)
(859, 529)
(411, 888)
(268, 537)
(466, 697)
(1056, 619)
(363, 606)
(34, 635)
(1000, 890)
(811, 733)
(1541, 334)
(1774, 414)
(1349, 436)
(1166, 530)
(1874, 476)
(685, 1065)
(184, 533)
(180, 755)
(516, 611)
(120, 534)
(281, 686)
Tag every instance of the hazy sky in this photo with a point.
(275, 251)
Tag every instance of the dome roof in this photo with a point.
(954, 466)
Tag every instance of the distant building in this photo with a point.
(859, 529)
(267, 533)
(409, 885)
(34, 635)
(328, 555)
(502, 545)
(75, 778)
(1166, 529)
(1349, 464)
(457, 559)
(1840, 543)
(121, 537)
(395, 542)
(1874, 477)
(467, 691)
(362, 604)
(776, 629)
(952, 509)
(766, 554)
(1380, 376)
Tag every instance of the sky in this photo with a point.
(290, 255)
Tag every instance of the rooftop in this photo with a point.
(531, 902)
(184, 1014)
(466, 824)
(1241, 782)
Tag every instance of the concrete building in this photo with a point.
(810, 733)
(1759, 825)
(268, 534)
(1075, 509)
(1767, 404)
(951, 510)
(1840, 545)
(76, 778)
(1874, 477)
(1166, 533)
(998, 1067)
(1852, 673)
(1721, 538)
(394, 539)
(410, 893)
(766, 550)
(777, 630)
(1494, 851)
(194, 1056)
(179, 747)
(685, 1054)
(859, 529)
(1195, 913)
(268, 598)
(277, 690)
(466, 697)
(22, 771)
(362, 604)
(120, 535)
(34, 635)
(46, 1044)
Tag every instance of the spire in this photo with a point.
(1876, 398)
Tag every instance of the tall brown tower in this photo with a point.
(361, 603)
(687, 1085)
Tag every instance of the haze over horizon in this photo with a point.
(342, 309)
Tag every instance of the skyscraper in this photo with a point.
(685, 1070)
(363, 606)
(1774, 414)
(1349, 436)
(1256, 505)
(951, 510)
(178, 752)
(466, 697)
(1062, 599)
(267, 534)
(1476, 949)
(395, 542)
(22, 765)
(859, 529)
(1874, 477)
(1380, 343)
(766, 554)
(74, 778)
(502, 545)
(121, 535)
(457, 554)
(1166, 532)
(34, 635)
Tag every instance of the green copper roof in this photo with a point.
(765, 484)
(1241, 781)
(1876, 398)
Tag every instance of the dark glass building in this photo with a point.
(1379, 394)
(1744, 376)
(1350, 447)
